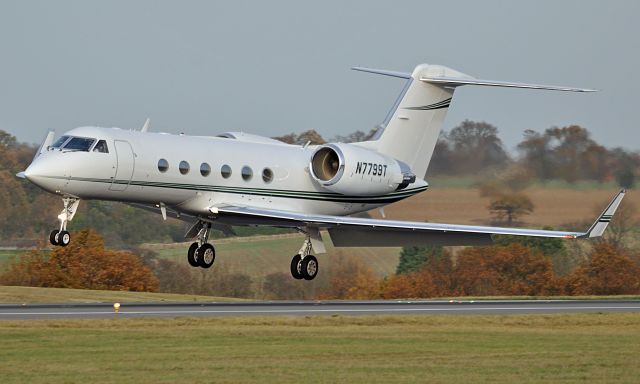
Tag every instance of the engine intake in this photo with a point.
(354, 170)
(327, 164)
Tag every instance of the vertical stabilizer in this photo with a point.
(411, 128)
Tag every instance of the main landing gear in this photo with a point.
(304, 265)
(61, 236)
(202, 254)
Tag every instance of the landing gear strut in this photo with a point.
(61, 236)
(201, 253)
(304, 265)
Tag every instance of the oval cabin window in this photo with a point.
(163, 165)
(247, 173)
(205, 169)
(225, 171)
(267, 175)
(184, 167)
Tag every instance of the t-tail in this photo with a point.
(410, 131)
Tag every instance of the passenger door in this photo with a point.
(124, 166)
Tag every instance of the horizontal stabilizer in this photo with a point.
(458, 81)
(384, 72)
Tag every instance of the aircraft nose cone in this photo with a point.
(38, 173)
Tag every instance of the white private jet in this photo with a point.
(242, 179)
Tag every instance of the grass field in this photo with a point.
(440, 349)
(27, 295)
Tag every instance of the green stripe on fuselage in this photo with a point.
(307, 195)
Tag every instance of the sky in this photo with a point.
(275, 67)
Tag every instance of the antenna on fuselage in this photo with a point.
(146, 126)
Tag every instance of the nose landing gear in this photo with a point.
(61, 236)
(200, 253)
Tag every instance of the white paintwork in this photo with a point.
(292, 197)
(62, 172)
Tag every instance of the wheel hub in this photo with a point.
(312, 268)
(208, 255)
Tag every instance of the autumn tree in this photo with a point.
(625, 166)
(609, 272)
(350, 278)
(84, 263)
(504, 270)
(566, 153)
(476, 146)
(418, 284)
(430, 278)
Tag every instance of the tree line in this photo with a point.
(475, 148)
(508, 268)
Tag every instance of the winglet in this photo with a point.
(597, 229)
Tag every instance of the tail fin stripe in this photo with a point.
(438, 105)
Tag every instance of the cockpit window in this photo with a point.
(60, 141)
(101, 147)
(79, 144)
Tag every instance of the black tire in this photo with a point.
(309, 267)
(64, 238)
(206, 255)
(53, 237)
(295, 267)
(192, 256)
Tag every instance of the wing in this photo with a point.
(354, 231)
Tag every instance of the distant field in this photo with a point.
(261, 255)
(570, 348)
(31, 295)
(553, 206)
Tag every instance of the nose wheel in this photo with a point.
(61, 237)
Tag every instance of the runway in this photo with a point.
(313, 308)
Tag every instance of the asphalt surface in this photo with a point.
(313, 308)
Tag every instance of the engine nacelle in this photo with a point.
(349, 169)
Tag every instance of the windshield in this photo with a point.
(79, 144)
(60, 141)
